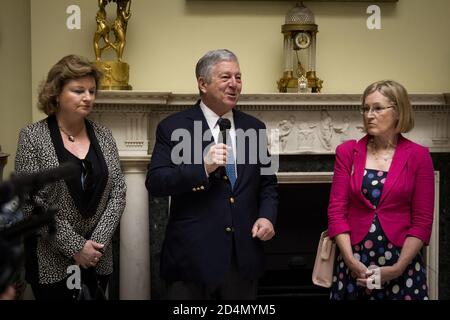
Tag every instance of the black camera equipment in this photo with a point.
(13, 194)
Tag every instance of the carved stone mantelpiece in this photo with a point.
(307, 123)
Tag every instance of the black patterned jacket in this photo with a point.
(36, 152)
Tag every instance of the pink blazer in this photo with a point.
(407, 200)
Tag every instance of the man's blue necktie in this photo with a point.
(230, 169)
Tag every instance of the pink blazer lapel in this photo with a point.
(401, 155)
(359, 163)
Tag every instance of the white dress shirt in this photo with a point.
(211, 119)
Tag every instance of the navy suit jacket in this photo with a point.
(206, 214)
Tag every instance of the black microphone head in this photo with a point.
(67, 170)
(39, 179)
(224, 124)
(26, 183)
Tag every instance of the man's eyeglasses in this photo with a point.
(374, 109)
(87, 180)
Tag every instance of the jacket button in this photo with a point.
(194, 189)
(228, 229)
(231, 199)
(202, 188)
(225, 178)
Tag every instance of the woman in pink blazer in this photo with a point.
(381, 203)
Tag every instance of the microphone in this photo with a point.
(224, 125)
(31, 182)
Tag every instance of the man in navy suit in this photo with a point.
(223, 196)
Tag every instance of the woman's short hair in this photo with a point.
(70, 67)
(398, 96)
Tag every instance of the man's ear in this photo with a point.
(202, 84)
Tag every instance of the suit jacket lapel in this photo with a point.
(399, 160)
(196, 117)
(239, 124)
(359, 163)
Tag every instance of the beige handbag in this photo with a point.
(323, 266)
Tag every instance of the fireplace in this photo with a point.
(302, 216)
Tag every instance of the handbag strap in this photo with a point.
(326, 248)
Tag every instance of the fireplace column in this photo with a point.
(134, 232)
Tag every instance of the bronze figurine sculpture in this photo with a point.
(115, 73)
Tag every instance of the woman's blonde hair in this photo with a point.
(70, 67)
(398, 95)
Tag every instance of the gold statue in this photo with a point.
(116, 73)
(102, 31)
(120, 26)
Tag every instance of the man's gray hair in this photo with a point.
(211, 58)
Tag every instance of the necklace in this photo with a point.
(71, 137)
(389, 151)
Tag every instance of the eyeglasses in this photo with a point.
(375, 109)
(87, 180)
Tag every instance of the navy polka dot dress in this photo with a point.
(376, 249)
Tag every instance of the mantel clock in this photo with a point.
(299, 33)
